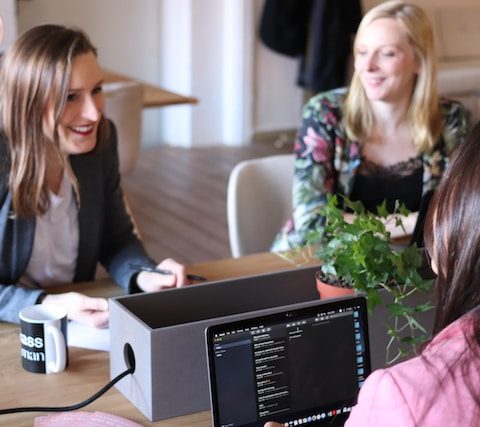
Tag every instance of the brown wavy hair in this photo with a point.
(36, 73)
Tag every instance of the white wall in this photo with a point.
(193, 61)
(113, 27)
(8, 14)
(244, 88)
(278, 100)
(204, 48)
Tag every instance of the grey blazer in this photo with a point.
(105, 229)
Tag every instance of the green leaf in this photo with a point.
(357, 206)
(382, 209)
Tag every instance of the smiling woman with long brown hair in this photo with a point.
(62, 208)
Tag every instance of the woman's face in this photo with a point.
(83, 109)
(385, 61)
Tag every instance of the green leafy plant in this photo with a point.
(359, 254)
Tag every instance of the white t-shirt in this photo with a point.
(55, 245)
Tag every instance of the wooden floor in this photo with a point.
(178, 197)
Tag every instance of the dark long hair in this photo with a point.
(452, 236)
(452, 239)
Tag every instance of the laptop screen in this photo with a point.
(297, 367)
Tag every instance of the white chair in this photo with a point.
(123, 105)
(259, 201)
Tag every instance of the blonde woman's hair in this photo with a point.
(424, 112)
(35, 74)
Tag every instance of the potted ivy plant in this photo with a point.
(357, 255)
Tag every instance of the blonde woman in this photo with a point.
(61, 205)
(387, 137)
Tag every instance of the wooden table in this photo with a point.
(153, 96)
(88, 370)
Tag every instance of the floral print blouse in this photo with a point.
(326, 161)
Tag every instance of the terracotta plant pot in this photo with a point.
(331, 291)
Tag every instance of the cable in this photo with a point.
(130, 361)
(71, 407)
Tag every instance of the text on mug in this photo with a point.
(32, 355)
(28, 341)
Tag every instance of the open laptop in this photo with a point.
(296, 367)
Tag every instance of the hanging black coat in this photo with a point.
(318, 32)
(284, 26)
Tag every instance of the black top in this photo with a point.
(402, 181)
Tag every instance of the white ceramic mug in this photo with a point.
(43, 335)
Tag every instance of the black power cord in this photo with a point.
(129, 360)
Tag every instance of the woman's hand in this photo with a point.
(83, 309)
(272, 424)
(395, 231)
(151, 282)
(348, 217)
(408, 223)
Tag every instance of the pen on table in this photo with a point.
(160, 271)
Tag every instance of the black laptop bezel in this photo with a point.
(287, 314)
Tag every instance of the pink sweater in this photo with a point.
(421, 391)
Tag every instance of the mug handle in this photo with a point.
(60, 352)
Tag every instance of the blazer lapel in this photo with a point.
(16, 242)
(89, 176)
